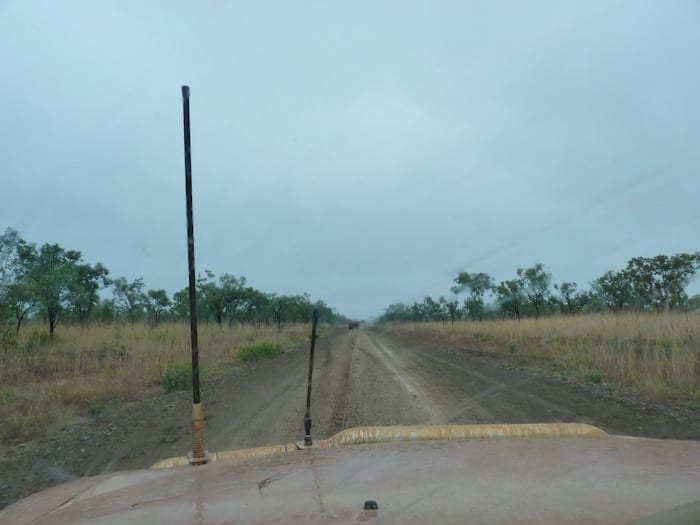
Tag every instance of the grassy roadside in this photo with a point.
(86, 370)
(655, 354)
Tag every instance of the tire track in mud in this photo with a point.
(466, 395)
(341, 418)
(473, 388)
(495, 390)
(331, 384)
(383, 390)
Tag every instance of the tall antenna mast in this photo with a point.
(198, 455)
(307, 419)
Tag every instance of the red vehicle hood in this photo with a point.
(527, 480)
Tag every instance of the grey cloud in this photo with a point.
(364, 153)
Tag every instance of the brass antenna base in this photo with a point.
(198, 456)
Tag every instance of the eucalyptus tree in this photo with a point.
(477, 284)
(51, 273)
(659, 282)
(535, 283)
(614, 289)
(84, 295)
(510, 297)
(157, 303)
(570, 298)
(130, 297)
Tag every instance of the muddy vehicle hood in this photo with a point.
(527, 480)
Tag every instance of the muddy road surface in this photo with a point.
(361, 377)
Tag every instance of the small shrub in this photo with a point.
(692, 405)
(592, 376)
(98, 409)
(176, 377)
(261, 351)
(95, 408)
(6, 395)
(512, 347)
(560, 377)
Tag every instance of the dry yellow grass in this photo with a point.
(658, 354)
(47, 382)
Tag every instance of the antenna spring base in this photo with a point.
(198, 455)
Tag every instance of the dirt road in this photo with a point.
(361, 377)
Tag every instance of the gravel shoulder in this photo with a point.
(361, 377)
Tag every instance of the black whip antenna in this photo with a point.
(198, 455)
(307, 418)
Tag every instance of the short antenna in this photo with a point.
(307, 419)
(198, 455)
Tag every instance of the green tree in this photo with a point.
(431, 309)
(158, 302)
(511, 296)
(130, 297)
(477, 284)
(289, 309)
(19, 301)
(277, 307)
(614, 289)
(303, 308)
(659, 282)
(417, 311)
(570, 298)
(253, 305)
(180, 304)
(16, 295)
(83, 294)
(325, 313)
(222, 297)
(397, 312)
(535, 282)
(452, 310)
(51, 272)
(233, 295)
(444, 309)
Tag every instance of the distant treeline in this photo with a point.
(645, 284)
(52, 283)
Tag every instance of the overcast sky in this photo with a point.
(364, 152)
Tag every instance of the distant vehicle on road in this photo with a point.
(353, 324)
